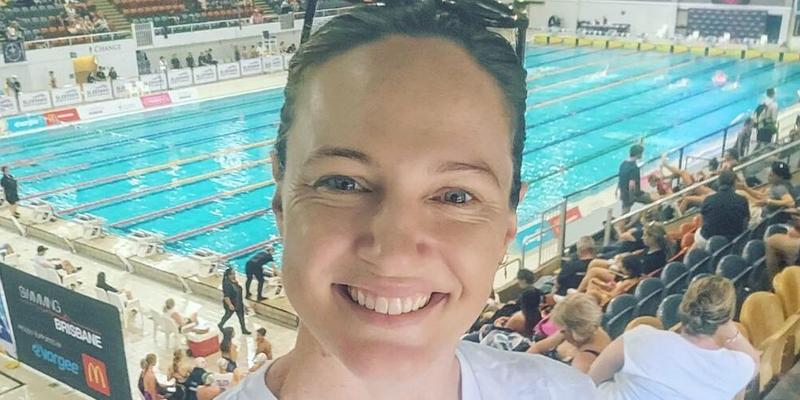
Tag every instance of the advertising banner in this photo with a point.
(34, 101)
(154, 82)
(273, 64)
(228, 70)
(60, 116)
(66, 96)
(8, 105)
(178, 78)
(24, 123)
(156, 100)
(97, 110)
(70, 337)
(205, 74)
(6, 333)
(251, 66)
(97, 91)
(183, 95)
(121, 86)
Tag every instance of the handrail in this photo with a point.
(694, 186)
(237, 22)
(78, 39)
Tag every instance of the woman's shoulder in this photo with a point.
(508, 375)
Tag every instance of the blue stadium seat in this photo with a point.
(649, 293)
(774, 230)
(698, 261)
(754, 250)
(733, 267)
(668, 310)
(675, 277)
(620, 311)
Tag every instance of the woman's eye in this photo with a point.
(456, 196)
(339, 183)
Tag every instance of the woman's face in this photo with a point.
(395, 196)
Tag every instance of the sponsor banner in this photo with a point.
(228, 70)
(179, 78)
(121, 86)
(24, 123)
(183, 95)
(273, 64)
(60, 116)
(97, 91)
(205, 74)
(573, 214)
(251, 66)
(66, 335)
(66, 96)
(154, 82)
(97, 110)
(156, 100)
(8, 105)
(34, 101)
(6, 333)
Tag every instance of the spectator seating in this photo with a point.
(620, 311)
(698, 261)
(668, 310)
(649, 293)
(718, 247)
(787, 287)
(775, 229)
(44, 20)
(675, 277)
(754, 251)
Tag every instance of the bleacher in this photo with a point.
(145, 8)
(42, 21)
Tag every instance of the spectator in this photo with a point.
(746, 137)
(578, 316)
(725, 213)
(197, 378)
(573, 271)
(253, 52)
(207, 391)
(282, 47)
(178, 369)
(256, 17)
(210, 58)
(524, 320)
(148, 386)
(291, 49)
(13, 32)
(650, 259)
(112, 74)
(766, 119)
(709, 359)
(285, 7)
(254, 268)
(91, 78)
(176, 63)
(232, 300)
(229, 351)
(258, 361)
(783, 250)
(184, 323)
(778, 195)
(100, 74)
(6, 251)
(190, 60)
(629, 188)
(695, 197)
(201, 59)
(162, 65)
(262, 344)
(525, 278)
(606, 283)
(236, 54)
(9, 184)
(53, 84)
(794, 134)
(53, 263)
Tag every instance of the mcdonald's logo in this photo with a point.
(95, 372)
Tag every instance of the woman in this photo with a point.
(103, 284)
(232, 300)
(229, 351)
(578, 316)
(148, 385)
(178, 370)
(182, 322)
(652, 258)
(606, 283)
(396, 214)
(777, 195)
(525, 320)
(708, 359)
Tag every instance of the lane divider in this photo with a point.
(250, 249)
(533, 77)
(215, 225)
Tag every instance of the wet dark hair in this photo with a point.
(636, 150)
(425, 19)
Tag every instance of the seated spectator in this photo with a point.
(148, 386)
(709, 359)
(525, 278)
(253, 52)
(606, 283)
(725, 213)
(207, 391)
(5, 251)
(197, 378)
(783, 249)
(729, 160)
(777, 195)
(53, 263)
(112, 74)
(229, 351)
(653, 257)
(524, 320)
(256, 17)
(178, 370)
(578, 316)
(91, 78)
(262, 344)
(258, 361)
(696, 197)
(13, 32)
(103, 284)
(180, 320)
(573, 271)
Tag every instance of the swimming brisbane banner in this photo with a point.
(73, 338)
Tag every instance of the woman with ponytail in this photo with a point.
(148, 385)
(708, 359)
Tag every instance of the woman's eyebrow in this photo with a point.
(479, 167)
(337, 152)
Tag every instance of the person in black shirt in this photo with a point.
(9, 184)
(255, 269)
(725, 213)
(190, 60)
(196, 378)
(176, 63)
(232, 300)
(629, 188)
(112, 74)
(573, 271)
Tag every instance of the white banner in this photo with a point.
(97, 91)
(154, 82)
(66, 96)
(205, 74)
(8, 105)
(34, 101)
(121, 86)
(183, 95)
(273, 64)
(228, 70)
(251, 66)
(97, 110)
(179, 77)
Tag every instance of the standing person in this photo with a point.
(176, 63)
(629, 187)
(392, 230)
(190, 60)
(725, 213)
(112, 74)
(746, 138)
(236, 54)
(53, 84)
(9, 184)
(767, 119)
(162, 65)
(232, 300)
(255, 269)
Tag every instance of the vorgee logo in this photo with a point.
(63, 364)
(95, 373)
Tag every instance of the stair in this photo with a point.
(116, 20)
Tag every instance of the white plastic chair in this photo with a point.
(163, 324)
(100, 294)
(124, 306)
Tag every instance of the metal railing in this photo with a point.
(78, 39)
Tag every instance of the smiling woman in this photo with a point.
(398, 177)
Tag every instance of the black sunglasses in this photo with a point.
(489, 13)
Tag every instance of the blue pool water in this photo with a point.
(583, 104)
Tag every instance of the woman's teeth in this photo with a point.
(388, 305)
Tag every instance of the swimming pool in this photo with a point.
(164, 171)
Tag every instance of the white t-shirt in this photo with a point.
(486, 374)
(43, 262)
(662, 365)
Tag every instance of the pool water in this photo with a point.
(584, 105)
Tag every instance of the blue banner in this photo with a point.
(25, 122)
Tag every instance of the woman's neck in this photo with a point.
(702, 341)
(289, 377)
